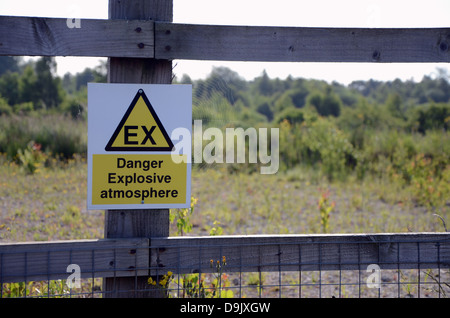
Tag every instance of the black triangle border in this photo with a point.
(140, 93)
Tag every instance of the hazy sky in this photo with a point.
(317, 13)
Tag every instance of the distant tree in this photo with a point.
(95, 75)
(47, 84)
(326, 104)
(282, 102)
(8, 64)
(68, 83)
(9, 87)
(224, 81)
(264, 84)
(5, 109)
(28, 91)
(292, 115)
(185, 79)
(366, 88)
(434, 116)
(395, 106)
(81, 79)
(298, 96)
(264, 109)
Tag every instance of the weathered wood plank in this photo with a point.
(35, 36)
(130, 257)
(165, 40)
(137, 223)
(299, 44)
(301, 252)
(96, 258)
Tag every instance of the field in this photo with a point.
(368, 157)
(50, 204)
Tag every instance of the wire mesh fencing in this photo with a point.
(294, 266)
(409, 265)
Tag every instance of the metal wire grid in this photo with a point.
(40, 273)
(22, 285)
(234, 277)
(317, 278)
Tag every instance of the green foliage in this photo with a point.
(182, 218)
(72, 215)
(36, 84)
(14, 290)
(5, 109)
(78, 82)
(52, 288)
(9, 88)
(215, 285)
(58, 135)
(194, 285)
(366, 128)
(428, 183)
(290, 114)
(216, 229)
(317, 142)
(325, 209)
(34, 87)
(9, 64)
(27, 87)
(431, 117)
(215, 111)
(265, 110)
(31, 158)
(326, 103)
(394, 105)
(47, 84)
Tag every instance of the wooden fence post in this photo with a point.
(137, 223)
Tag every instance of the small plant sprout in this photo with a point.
(325, 209)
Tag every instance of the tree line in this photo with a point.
(337, 127)
(33, 86)
(225, 96)
(418, 106)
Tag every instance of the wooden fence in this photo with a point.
(168, 41)
(132, 258)
(140, 40)
(38, 261)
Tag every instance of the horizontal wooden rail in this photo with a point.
(297, 44)
(163, 40)
(34, 36)
(39, 261)
(259, 253)
(301, 252)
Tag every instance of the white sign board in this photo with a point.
(134, 161)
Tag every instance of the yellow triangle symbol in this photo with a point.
(140, 129)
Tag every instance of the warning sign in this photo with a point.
(140, 129)
(130, 146)
(138, 179)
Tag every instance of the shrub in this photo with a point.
(58, 135)
(316, 142)
(31, 158)
(292, 115)
(5, 109)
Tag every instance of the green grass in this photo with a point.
(57, 135)
(289, 203)
(51, 204)
(47, 205)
